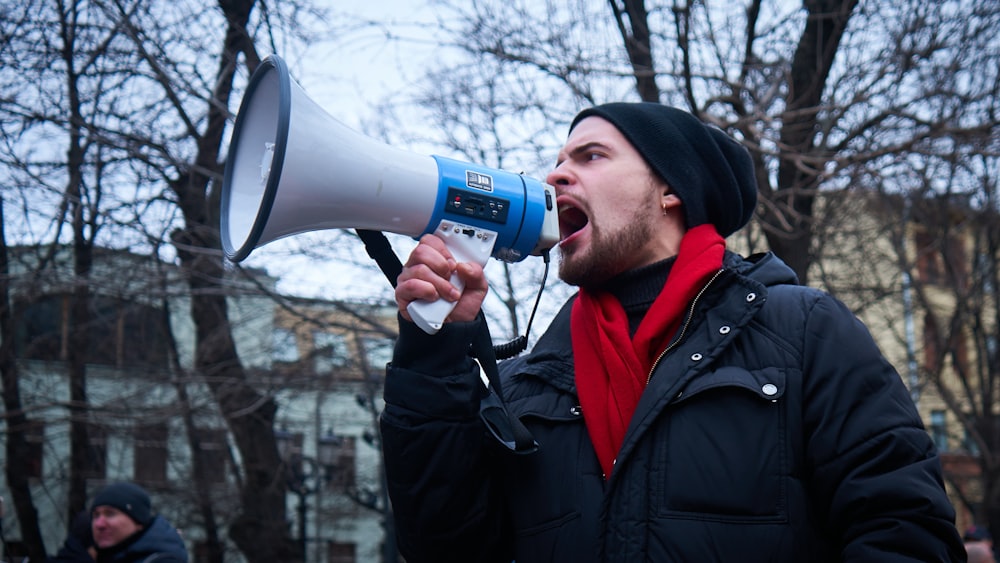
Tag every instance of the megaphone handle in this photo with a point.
(430, 315)
(466, 244)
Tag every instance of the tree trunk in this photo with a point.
(638, 46)
(215, 550)
(260, 531)
(789, 220)
(79, 303)
(16, 443)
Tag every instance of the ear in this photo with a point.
(669, 200)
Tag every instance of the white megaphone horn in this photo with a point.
(292, 168)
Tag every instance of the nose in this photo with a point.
(559, 176)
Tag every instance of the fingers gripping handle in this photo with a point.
(466, 244)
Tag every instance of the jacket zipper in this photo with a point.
(684, 327)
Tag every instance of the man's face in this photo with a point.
(111, 526)
(609, 205)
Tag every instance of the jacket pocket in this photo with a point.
(554, 490)
(722, 454)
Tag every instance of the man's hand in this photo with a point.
(426, 277)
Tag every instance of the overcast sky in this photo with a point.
(348, 74)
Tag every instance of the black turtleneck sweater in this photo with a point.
(637, 289)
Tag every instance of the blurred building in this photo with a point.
(322, 362)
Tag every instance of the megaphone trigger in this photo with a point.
(466, 244)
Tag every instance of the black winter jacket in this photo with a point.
(159, 543)
(772, 430)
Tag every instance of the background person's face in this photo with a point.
(110, 526)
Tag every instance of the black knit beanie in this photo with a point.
(130, 498)
(710, 172)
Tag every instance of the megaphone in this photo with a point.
(293, 168)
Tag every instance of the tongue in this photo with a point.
(571, 221)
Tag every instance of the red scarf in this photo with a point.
(611, 367)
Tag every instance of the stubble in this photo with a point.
(608, 255)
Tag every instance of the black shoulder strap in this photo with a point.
(507, 429)
(381, 252)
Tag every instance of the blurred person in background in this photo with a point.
(125, 528)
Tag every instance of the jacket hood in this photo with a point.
(764, 268)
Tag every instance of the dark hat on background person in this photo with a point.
(976, 533)
(129, 498)
(710, 172)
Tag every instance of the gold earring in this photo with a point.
(663, 206)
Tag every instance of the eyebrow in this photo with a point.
(580, 149)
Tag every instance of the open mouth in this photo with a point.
(571, 220)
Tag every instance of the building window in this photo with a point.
(377, 351)
(290, 450)
(283, 346)
(151, 454)
(342, 475)
(939, 430)
(119, 332)
(970, 445)
(955, 346)
(941, 258)
(140, 334)
(931, 351)
(212, 448)
(40, 332)
(34, 435)
(930, 266)
(97, 452)
(341, 552)
(329, 351)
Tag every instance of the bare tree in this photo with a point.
(14, 415)
(810, 88)
(949, 253)
(72, 53)
(120, 80)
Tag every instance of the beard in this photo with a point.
(608, 255)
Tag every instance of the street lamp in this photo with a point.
(305, 475)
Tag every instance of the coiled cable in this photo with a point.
(520, 344)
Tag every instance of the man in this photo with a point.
(689, 404)
(979, 552)
(125, 529)
(979, 545)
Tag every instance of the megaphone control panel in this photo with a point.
(467, 204)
